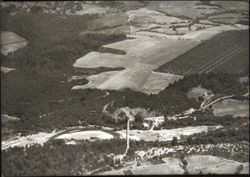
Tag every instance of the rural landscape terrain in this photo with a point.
(124, 87)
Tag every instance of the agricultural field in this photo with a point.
(227, 52)
(138, 63)
(156, 30)
(123, 88)
(108, 21)
(10, 42)
(229, 18)
(196, 164)
(210, 164)
(232, 107)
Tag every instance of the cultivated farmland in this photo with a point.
(232, 107)
(10, 42)
(221, 51)
(139, 61)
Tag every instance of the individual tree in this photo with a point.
(174, 141)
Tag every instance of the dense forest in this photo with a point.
(83, 107)
(57, 158)
(173, 99)
(43, 68)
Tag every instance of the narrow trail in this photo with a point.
(130, 26)
(130, 118)
(219, 99)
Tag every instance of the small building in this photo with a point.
(157, 121)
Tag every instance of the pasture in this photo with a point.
(148, 47)
(212, 164)
(196, 164)
(229, 18)
(10, 42)
(225, 52)
(232, 107)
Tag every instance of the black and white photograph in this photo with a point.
(100, 88)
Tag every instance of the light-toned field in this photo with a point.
(11, 42)
(148, 46)
(140, 15)
(141, 59)
(96, 80)
(244, 79)
(171, 166)
(71, 133)
(164, 134)
(233, 5)
(140, 78)
(97, 134)
(233, 107)
(158, 81)
(188, 9)
(22, 141)
(213, 164)
(208, 33)
(6, 69)
(6, 118)
(230, 18)
(92, 9)
(108, 21)
(205, 164)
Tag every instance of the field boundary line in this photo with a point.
(16, 42)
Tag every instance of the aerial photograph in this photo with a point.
(100, 88)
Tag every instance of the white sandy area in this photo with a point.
(6, 69)
(164, 134)
(6, 117)
(22, 141)
(86, 135)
